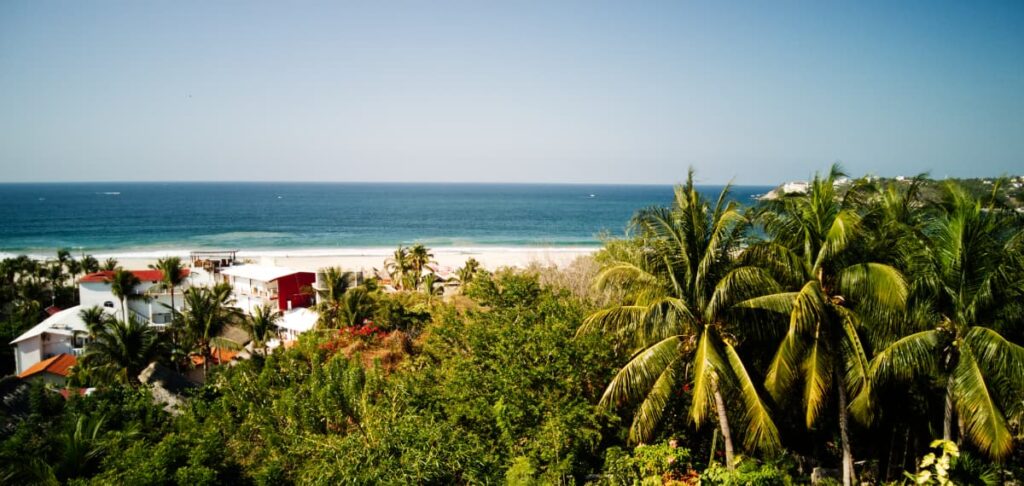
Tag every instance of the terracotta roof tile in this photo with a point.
(58, 365)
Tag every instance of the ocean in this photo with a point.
(142, 219)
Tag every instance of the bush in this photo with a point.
(748, 472)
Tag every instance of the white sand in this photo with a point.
(448, 259)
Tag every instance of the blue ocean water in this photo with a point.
(118, 216)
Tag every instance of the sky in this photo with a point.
(589, 92)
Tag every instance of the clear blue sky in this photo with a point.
(626, 92)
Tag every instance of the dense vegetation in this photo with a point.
(840, 331)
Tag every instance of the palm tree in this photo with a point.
(172, 275)
(89, 264)
(468, 271)
(433, 285)
(419, 258)
(207, 311)
(95, 319)
(109, 265)
(969, 279)
(834, 299)
(336, 282)
(356, 307)
(261, 324)
(121, 350)
(398, 265)
(122, 285)
(675, 317)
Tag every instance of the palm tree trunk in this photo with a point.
(844, 417)
(723, 423)
(947, 420)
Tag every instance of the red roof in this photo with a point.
(52, 310)
(143, 275)
(58, 365)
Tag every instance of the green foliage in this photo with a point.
(664, 461)
(748, 472)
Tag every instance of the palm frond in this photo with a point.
(761, 432)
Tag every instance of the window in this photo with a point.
(108, 304)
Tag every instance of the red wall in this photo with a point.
(292, 288)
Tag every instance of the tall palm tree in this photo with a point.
(122, 285)
(969, 279)
(89, 264)
(95, 319)
(172, 275)
(207, 311)
(336, 282)
(433, 285)
(468, 271)
(834, 298)
(109, 265)
(261, 325)
(121, 350)
(398, 265)
(674, 316)
(419, 258)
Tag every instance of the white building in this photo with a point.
(65, 332)
(61, 333)
(280, 287)
(146, 303)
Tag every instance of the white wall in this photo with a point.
(29, 352)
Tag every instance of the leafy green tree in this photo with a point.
(836, 299)
(968, 282)
(419, 259)
(675, 317)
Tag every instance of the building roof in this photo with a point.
(298, 320)
(57, 365)
(263, 273)
(143, 275)
(66, 322)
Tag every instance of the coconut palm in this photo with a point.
(398, 266)
(675, 318)
(95, 319)
(969, 279)
(834, 299)
(433, 284)
(335, 283)
(172, 275)
(207, 311)
(121, 350)
(109, 265)
(260, 325)
(89, 264)
(122, 285)
(468, 271)
(357, 307)
(419, 259)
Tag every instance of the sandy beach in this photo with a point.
(448, 259)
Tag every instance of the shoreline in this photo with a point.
(311, 259)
